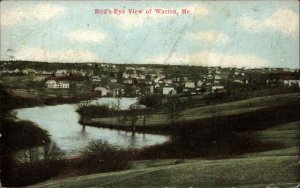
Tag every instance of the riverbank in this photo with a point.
(158, 123)
(221, 134)
(25, 136)
(216, 134)
(278, 167)
(13, 101)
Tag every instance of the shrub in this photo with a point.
(100, 156)
(151, 100)
(17, 135)
(31, 173)
(92, 111)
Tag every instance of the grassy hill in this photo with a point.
(271, 168)
(230, 108)
(228, 172)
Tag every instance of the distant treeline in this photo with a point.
(10, 101)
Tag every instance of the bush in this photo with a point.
(31, 173)
(15, 173)
(92, 111)
(100, 156)
(17, 135)
(151, 100)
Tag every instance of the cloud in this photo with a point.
(69, 56)
(212, 59)
(86, 36)
(38, 13)
(212, 37)
(283, 20)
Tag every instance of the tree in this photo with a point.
(174, 106)
(131, 118)
(100, 156)
(83, 107)
(52, 152)
(146, 115)
(151, 100)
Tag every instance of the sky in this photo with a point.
(214, 33)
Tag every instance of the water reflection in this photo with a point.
(132, 139)
(61, 122)
(124, 102)
(83, 132)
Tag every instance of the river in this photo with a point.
(61, 122)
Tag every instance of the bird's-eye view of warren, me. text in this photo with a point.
(149, 94)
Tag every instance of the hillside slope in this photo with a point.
(228, 172)
(225, 109)
(272, 168)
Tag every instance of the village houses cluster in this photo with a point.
(133, 80)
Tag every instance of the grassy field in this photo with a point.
(231, 108)
(287, 135)
(228, 172)
(272, 168)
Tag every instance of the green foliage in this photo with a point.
(26, 136)
(131, 116)
(52, 152)
(32, 173)
(88, 111)
(278, 171)
(174, 106)
(100, 156)
(151, 100)
(17, 135)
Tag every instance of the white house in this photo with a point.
(289, 83)
(46, 72)
(29, 71)
(151, 89)
(54, 84)
(128, 81)
(142, 76)
(238, 81)
(96, 79)
(148, 82)
(168, 81)
(168, 90)
(63, 84)
(125, 75)
(216, 81)
(61, 73)
(217, 88)
(189, 84)
(199, 83)
(51, 83)
(113, 80)
(217, 77)
(101, 90)
(209, 76)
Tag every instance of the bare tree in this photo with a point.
(83, 107)
(146, 115)
(174, 107)
(131, 118)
